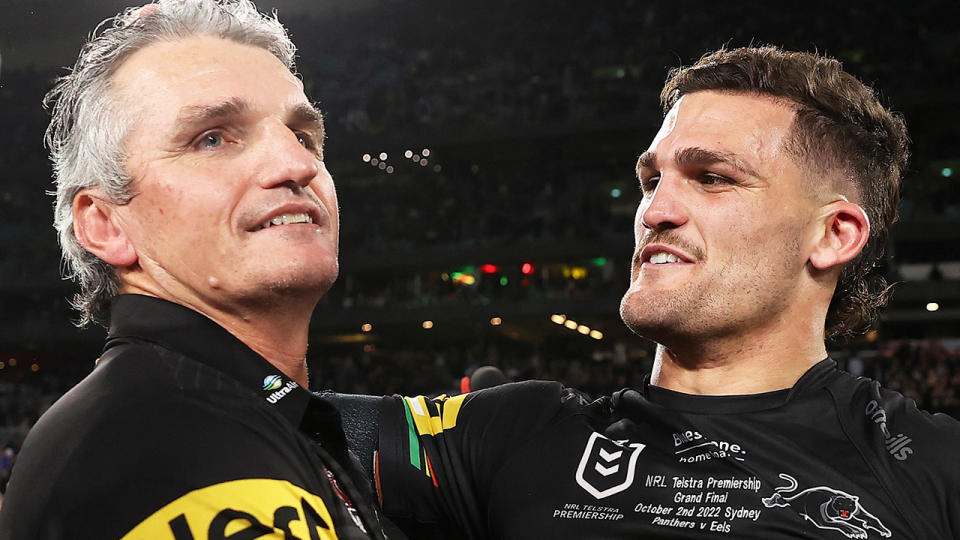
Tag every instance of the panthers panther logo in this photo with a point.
(828, 508)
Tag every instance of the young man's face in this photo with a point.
(232, 200)
(720, 232)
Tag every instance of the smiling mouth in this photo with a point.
(284, 219)
(662, 257)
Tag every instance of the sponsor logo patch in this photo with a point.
(272, 382)
(607, 466)
(692, 447)
(898, 445)
(282, 392)
(248, 508)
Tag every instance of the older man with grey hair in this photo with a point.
(195, 211)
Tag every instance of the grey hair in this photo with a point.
(89, 122)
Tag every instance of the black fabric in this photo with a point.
(832, 457)
(358, 414)
(182, 431)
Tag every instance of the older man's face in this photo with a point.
(232, 201)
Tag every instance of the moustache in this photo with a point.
(669, 238)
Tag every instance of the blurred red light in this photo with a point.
(527, 268)
(488, 268)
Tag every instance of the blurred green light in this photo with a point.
(615, 193)
(599, 261)
(947, 172)
(504, 281)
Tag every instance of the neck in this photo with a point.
(275, 328)
(763, 361)
(280, 338)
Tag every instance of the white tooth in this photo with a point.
(285, 219)
(662, 258)
(295, 218)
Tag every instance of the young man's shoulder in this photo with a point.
(869, 400)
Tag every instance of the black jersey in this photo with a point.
(182, 432)
(832, 457)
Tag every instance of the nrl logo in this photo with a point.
(607, 466)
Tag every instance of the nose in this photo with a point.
(284, 160)
(663, 209)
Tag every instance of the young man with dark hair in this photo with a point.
(768, 194)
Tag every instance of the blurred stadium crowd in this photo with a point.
(504, 133)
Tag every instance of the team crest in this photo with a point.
(827, 508)
(607, 466)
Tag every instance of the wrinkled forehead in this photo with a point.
(165, 76)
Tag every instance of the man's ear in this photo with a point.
(97, 231)
(844, 230)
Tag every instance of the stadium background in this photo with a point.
(483, 155)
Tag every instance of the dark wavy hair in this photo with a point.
(840, 127)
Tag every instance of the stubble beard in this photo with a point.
(665, 319)
(288, 289)
(716, 306)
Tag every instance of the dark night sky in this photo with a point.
(49, 32)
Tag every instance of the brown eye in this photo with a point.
(307, 141)
(713, 179)
(647, 185)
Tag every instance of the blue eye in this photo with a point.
(210, 140)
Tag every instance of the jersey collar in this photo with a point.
(815, 378)
(197, 337)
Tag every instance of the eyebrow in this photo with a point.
(690, 156)
(309, 117)
(302, 115)
(192, 115)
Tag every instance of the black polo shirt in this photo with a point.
(183, 432)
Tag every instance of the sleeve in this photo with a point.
(438, 458)
(927, 449)
(917, 453)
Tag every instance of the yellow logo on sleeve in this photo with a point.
(250, 509)
(433, 416)
(429, 417)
